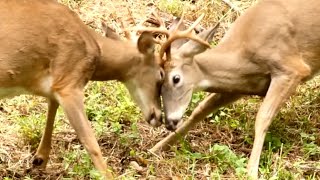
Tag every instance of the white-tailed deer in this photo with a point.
(47, 50)
(269, 50)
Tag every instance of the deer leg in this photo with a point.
(205, 107)
(43, 151)
(281, 87)
(72, 103)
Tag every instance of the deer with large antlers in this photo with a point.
(269, 50)
(54, 56)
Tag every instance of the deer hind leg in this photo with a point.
(205, 107)
(71, 101)
(43, 151)
(282, 85)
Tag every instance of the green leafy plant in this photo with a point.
(78, 164)
(174, 7)
(226, 158)
(31, 128)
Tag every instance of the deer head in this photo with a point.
(174, 39)
(144, 83)
(181, 78)
(141, 72)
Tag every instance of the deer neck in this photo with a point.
(116, 61)
(230, 71)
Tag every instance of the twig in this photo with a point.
(232, 6)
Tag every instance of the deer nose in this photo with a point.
(171, 125)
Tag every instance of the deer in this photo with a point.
(269, 50)
(55, 56)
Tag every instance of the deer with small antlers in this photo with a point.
(269, 50)
(55, 56)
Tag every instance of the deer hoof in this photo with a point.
(37, 161)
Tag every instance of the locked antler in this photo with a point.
(174, 34)
(130, 33)
(178, 34)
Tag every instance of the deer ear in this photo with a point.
(192, 48)
(109, 32)
(146, 43)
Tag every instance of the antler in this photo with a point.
(127, 33)
(174, 34)
(177, 34)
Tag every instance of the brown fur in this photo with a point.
(269, 50)
(48, 51)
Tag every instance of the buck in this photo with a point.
(54, 56)
(269, 50)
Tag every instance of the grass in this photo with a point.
(217, 148)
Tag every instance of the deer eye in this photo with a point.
(176, 79)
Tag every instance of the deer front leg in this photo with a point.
(205, 107)
(280, 89)
(72, 103)
(43, 151)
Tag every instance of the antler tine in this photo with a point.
(138, 27)
(196, 22)
(130, 16)
(176, 34)
(152, 29)
(127, 34)
(162, 26)
(162, 29)
(127, 31)
(161, 22)
(179, 23)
